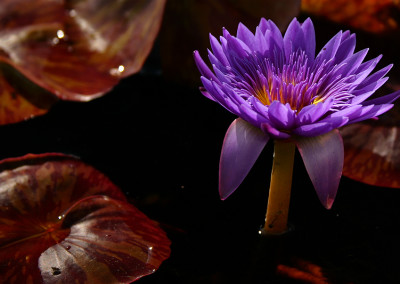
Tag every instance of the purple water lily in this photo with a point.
(279, 89)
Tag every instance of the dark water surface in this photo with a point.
(160, 143)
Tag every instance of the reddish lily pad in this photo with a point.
(61, 221)
(76, 50)
(374, 16)
(178, 39)
(302, 271)
(372, 154)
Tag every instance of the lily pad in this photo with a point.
(62, 221)
(75, 50)
(376, 16)
(372, 154)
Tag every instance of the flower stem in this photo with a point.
(280, 187)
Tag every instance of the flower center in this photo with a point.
(289, 84)
(295, 81)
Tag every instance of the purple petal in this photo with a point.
(371, 111)
(384, 99)
(372, 79)
(247, 113)
(347, 112)
(280, 115)
(309, 38)
(236, 48)
(368, 66)
(217, 50)
(364, 93)
(323, 158)
(217, 95)
(245, 35)
(206, 93)
(202, 66)
(321, 127)
(242, 145)
(273, 132)
(346, 48)
(329, 50)
(363, 71)
(352, 63)
(293, 38)
(313, 112)
(263, 25)
(215, 62)
(211, 91)
(260, 43)
(275, 33)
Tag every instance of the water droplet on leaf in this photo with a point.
(60, 34)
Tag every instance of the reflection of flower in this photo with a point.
(280, 89)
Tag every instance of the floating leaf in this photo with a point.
(372, 154)
(179, 38)
(302, 271)
(77, 49)
(19, 98)
(61, 221)
(375, 16)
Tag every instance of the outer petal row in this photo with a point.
(323, 158)
(242, 145)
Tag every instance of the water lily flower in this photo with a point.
(281, 90)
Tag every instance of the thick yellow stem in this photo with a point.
(280, 187)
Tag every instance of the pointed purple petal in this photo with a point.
(280, 115)
(309, 37)
(263, 25)
(217, 95)
(384, 99)
(346, 48)
(273, 132)
(371, 111)
(321, 127)
(366, 92)
(329, 50)
(248, 114)
(260, 42)
(293, 38)
(323, 158)
(311, 113)
(206, 94)
(352, 63)
(245, 35)
(372, 79)
(202, 66)
(242, 145)
(236, 48)
(217, 50)
(346, 112)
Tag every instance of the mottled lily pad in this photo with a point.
(376, 16)
(372, 154)
(75, 50)
(62, 221)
